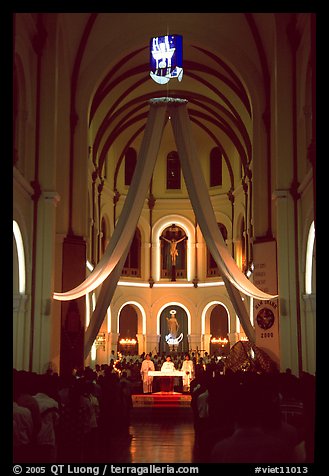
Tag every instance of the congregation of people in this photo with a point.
(246, 417)
(238, 416)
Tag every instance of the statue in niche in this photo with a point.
(173, 247)
(172, 323)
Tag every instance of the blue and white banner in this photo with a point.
(166, 58)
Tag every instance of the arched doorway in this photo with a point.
(219, 330)
(173, 343)
(128, 329)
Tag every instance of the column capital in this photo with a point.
(19, 302)
(51, 196)
(282, 193)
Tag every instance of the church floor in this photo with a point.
(157, 435)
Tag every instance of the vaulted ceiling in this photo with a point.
(225, 62)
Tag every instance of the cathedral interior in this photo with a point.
(83, 89)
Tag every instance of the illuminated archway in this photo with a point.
(20, 258)
(158, 228)
(179, 340)
(205, 314)
(174, 303)
(142, 313)
(309, 260)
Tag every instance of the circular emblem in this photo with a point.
(265, 318)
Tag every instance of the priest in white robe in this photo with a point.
(188, 369)
(167, 383)
(147, 379)
(168, 365)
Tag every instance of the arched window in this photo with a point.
(212, 268)
(132, 266)
(173, 171)
(216, 172)
(130, 164)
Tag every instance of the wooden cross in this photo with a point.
(197, 350)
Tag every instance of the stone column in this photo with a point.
(152, 343)
(286, 281)
(308, 325)
(46, 329)
(112, 343)
(205, 342)
(195, 341)
(21, 332)
(73, 312)
(141, 343)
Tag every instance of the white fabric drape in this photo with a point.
(125, 229)
(233, 277)
(132, 208)
(108, 270)
(199, 196)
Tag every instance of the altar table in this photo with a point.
(166, 378)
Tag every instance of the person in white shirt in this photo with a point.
(167, 384)
(49, 411)
(188, 369)
(22, 433)
(168, 365)
(147, 379)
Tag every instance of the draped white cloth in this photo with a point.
(126, 226)
(199, 196)
(129, 218)
(108, 270)
(233, 277)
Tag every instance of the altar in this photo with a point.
(166, 379)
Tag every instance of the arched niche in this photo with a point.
(173, 344)
(128, 329)
(219, 330)
(187, 226)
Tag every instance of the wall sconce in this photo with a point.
(100, 341)
(128, 341)
(219, 340)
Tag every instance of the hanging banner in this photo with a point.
(166, 58)
(266, 318)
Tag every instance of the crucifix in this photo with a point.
(173, 242)
(197, 350)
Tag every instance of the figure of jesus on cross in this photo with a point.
(173, 239)
(173, 247)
